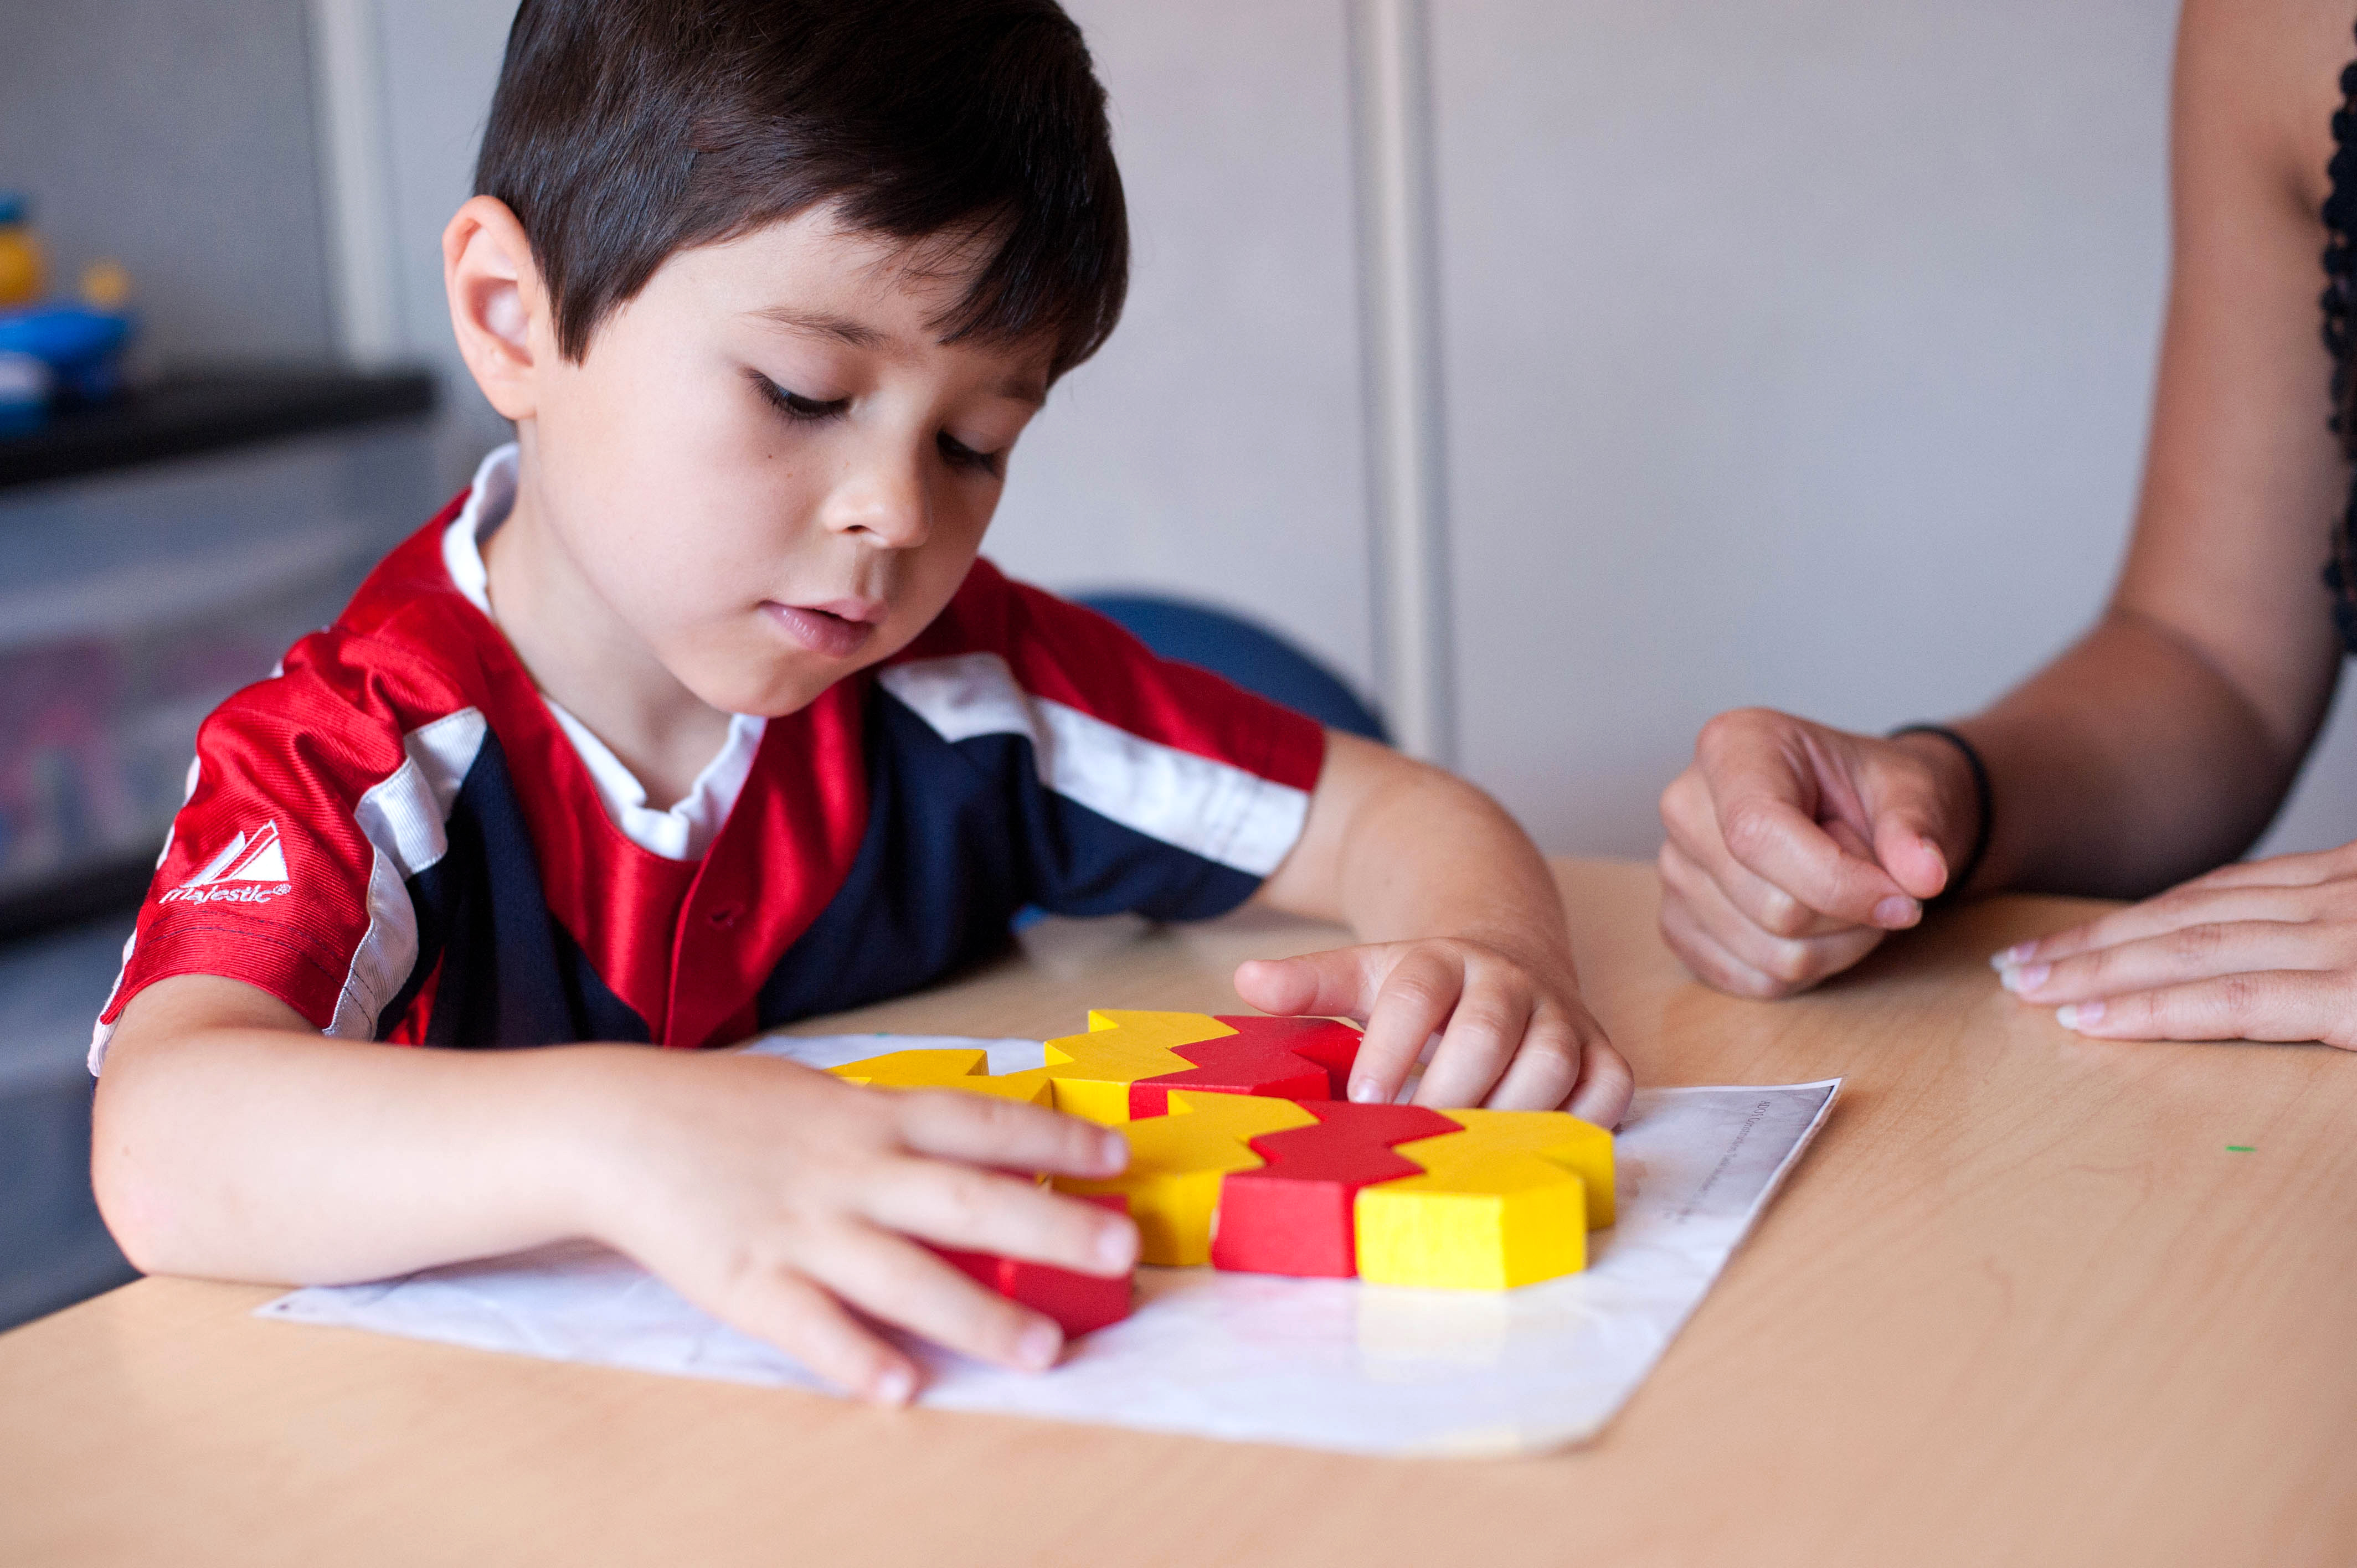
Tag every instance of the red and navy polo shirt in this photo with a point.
(401, 838)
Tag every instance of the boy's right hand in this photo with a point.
(1794, 848)
(781, 1199)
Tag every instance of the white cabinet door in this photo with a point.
(1798, 352)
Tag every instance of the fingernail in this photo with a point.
(1365, 1091)
(1116, 1246)
(1039, 1346)
(2076, 1015)
(2018, 953)
(894, 1386)
(2024, 980)
(1113, 1154)
(1895, 911)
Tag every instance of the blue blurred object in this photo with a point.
(1252, 656)
(82, 346)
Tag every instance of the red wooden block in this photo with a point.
(1293, 1216)
(1078, 1302)
(1286, 1058)
(1331, 1044)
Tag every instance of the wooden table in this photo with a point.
(2019, 1304)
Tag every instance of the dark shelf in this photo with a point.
(195, 412)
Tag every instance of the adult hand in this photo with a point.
(2261, 951)
(1794, 848)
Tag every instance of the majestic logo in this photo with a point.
(250, 871)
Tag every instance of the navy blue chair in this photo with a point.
(1251, 655)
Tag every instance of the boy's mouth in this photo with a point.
(836, 628)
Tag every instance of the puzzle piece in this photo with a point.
(1176, 1164)
(1125, 1064)
(1293, 1214)
(963, 1069)
(1506, 1202)
(1080, 1302)
(1289, 1059)
(1467, 1199)
(1093, 1073)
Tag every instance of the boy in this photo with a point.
(698, 713)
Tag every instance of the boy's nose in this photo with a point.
(887, 502)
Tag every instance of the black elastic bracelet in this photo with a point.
(1982, 792)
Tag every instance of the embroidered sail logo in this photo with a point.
(249, 870)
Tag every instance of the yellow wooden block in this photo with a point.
(1506, 1202)
(1093, 1071)
(1176, 1164)
(961, 1070)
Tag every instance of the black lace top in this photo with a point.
(2339, 291)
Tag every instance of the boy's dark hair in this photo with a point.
(626, 130)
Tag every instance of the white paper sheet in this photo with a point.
(1330, 1364)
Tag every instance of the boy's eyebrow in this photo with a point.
(1022, 388)
(841, 329)
(859, 335)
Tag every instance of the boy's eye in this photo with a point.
(792, 404)
(960, 456)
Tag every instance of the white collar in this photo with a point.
(683, 832)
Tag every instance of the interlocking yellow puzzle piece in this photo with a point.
(1506, 1202)
(1093, 1071)
(963, 1069)
(1176, 1164)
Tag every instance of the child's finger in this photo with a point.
(1485, 1027)
(984, 1131)
(806, 1322)
(1414, 1002)
(891, 1278)
(979, 1210)
(1340, 982)
(1606, 1085)
(1545, 1066)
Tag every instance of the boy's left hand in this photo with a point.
(1513, 1033)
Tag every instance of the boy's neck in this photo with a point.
(580, 653)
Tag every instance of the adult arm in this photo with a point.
(2165, 738)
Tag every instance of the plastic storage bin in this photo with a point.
(131, 605)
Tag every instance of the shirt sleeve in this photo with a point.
(284, 869)
(1134, 782)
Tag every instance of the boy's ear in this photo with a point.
(497, 305)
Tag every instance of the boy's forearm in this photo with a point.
(1436, 857)
(268, 1155)
(1405, 850)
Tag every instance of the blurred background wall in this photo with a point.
(1795, 351)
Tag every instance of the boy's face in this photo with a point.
(766, 465)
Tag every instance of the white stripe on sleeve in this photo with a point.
(403, 817)
(1216, 809)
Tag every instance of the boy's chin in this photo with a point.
(768, 693)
